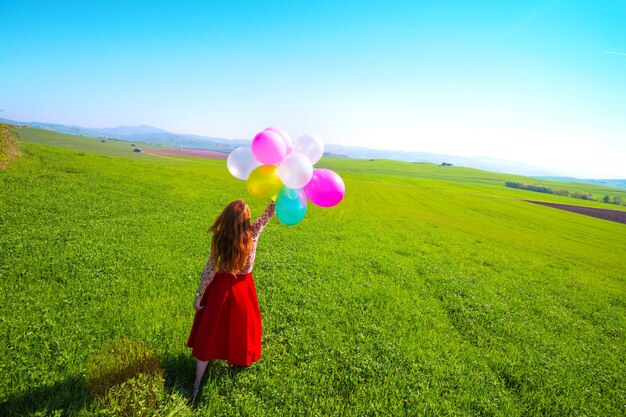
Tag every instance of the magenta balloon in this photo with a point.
(326, 188)
(286, 137)
(269, 147)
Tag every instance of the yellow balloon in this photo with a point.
(264, 182)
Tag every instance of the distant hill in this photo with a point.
(145, 134)
(610, 183)
(73, 130)
(487, 164)
(130, 130)
(156, 136)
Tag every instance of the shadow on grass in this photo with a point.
(180, 372)
(71, 395)
(66, 396)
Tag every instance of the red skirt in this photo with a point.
(229, 325)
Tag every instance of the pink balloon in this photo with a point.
(269, 147)
(326, 188)
(286, 137)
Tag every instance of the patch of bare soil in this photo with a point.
(606, 214)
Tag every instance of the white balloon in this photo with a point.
(241, 162)
(311, 146)
(295, 171)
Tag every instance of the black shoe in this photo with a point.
(195, 397)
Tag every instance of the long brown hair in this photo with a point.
(232, 238)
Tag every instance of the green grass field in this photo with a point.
(111, 147)
(428, 291)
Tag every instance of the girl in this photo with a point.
(227, 324)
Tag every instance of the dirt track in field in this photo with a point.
(606, 214)
(193, 153)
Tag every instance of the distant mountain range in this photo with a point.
(144, 134)
(487, 164)
(602, 183)
(154, 135)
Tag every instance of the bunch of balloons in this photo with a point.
(275, 167)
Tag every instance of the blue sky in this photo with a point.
(542, 82)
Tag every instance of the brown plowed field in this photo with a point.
(606, 214)
(193, 153)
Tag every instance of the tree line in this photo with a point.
(576, 194)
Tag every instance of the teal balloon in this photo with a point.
(291, 205)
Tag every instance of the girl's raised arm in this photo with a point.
(265, 218)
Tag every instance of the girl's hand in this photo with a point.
(196, 304)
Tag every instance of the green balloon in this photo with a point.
(291, 206)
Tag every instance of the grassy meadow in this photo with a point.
(428, 291)
(101, 146)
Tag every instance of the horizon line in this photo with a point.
(547, 171)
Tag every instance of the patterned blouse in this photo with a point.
(256, 227)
